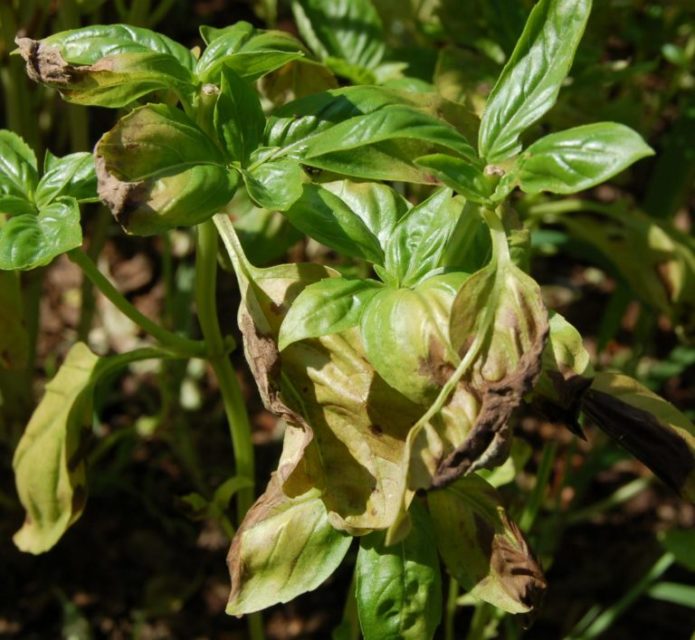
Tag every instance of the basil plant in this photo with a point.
(398, 389)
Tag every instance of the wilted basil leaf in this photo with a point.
(325, 217)
(48, 463)
(398, 587)
(108, 65)
(71, 175)
(488, 556)
(33, 239)
(329, 306)
(283, 548)
(530, 81)
(579, 158)
(239, 119)
(648, 426)
(158, 170)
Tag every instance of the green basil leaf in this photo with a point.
(398, 588)
(488, 556)
(239, 119)
(275, 184)
(380, 207)
(648, 426)
(16, 205)
(345, 29)
(33, 239)
(249, 52)
(530, 81)
(18, 174)
(498, 327)
(14, 338)
(468, 247)
(71, 175)
(405, 336)
(391, 122)
(325, 217)
(283, 548)
(108, 65)
(49, 471)
(296, 79)
(158, 170)
(329, 306)
(579, 158)
(460, 174)
(420, 238)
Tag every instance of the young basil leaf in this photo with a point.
(350, 31)
(283, 548)
(14, 338)
(380, 207)
(468, 248)
(72, 175)
(648, 426)
(275, 184)
(158, 170)
(49, 471)
(460, 174)
(238, 117)
(329, 306)
(392, 122)
(405, 336)
(249, 52)
(328, 219)
(398, 588)
(530, 81)
(579, 158)
(421, 237)
(108, 65)
(498, 327)
(488, 556)
(33, 239)
(18, 174)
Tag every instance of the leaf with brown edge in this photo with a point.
(482, 548)
(283, 548)
(565, 375)
(499, 327)
(648, 426)
(49, 470)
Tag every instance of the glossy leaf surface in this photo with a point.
(18, 173)
(530, 81)
(275, 184)
(72, 175)
(398, 587)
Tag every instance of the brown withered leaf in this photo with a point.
(648, 426)
(483, 548)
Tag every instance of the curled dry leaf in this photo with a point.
(648, 426)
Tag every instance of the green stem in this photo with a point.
(234, 405)
(625, 493)
(542, 477)
(450, 612)
(168, 339)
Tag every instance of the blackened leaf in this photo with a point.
(18, 174)
(648, 426)
(249, 52)
(283, 548)
(579, 158)
(420, 239)
(239, 119)
(158, 170)
(398, 587)
(345, 29)
(72, 175)
(330, 220)
(48, 465)
(482, 548)
(329, 306)
(108, 65)
(33, 239)
(530, 81)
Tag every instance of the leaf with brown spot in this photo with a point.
(648, 426)
(482, 548)
(283, 548)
